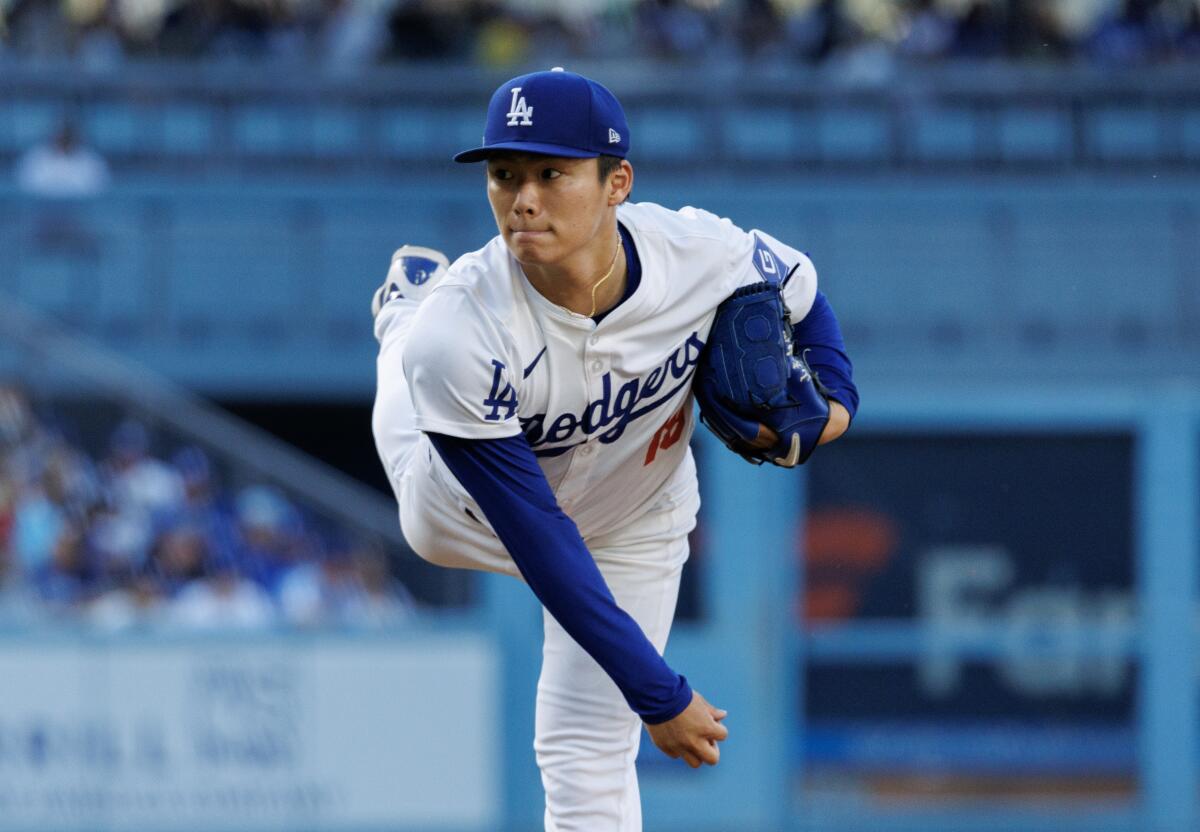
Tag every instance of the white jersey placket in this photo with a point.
(575, 483)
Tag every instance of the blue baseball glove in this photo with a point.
(759, 398)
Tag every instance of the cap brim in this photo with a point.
(541, 148)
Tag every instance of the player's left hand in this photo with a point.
(755, 391)
(693, 734)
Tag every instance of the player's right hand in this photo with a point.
(693, 734)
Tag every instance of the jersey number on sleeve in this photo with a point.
(667, 435)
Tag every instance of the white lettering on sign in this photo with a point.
(1056, 640)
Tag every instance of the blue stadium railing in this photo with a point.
(956, 116)
(231, 288)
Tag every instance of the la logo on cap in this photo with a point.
(519, 113)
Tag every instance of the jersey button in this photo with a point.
(586, 450)
(594, 340)
(597, 365)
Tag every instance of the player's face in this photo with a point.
(547, 208)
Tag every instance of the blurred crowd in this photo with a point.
(343, 35)
(123, 539)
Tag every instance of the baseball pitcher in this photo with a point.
(535, 405)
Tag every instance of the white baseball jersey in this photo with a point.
(606, 407)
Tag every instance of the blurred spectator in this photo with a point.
(69, 477)
(119, 542)
(190, 29)
(428, 30)
(354, 34)
(860, 61)
(38, 521)
(64, 580)
(140, 483)
(245, 30)
(178, 558)
(1137, 34)
(205, 508)
(11, 585)
(819, 33)
(47, 484)
(1187, 43)
(137, 603)
(980, 32)
(89, 31)
(16, 417)
(59, 172)
(760, 27)
(312, 593)
(37, 28)
(8, 569)
(98, 38)
(928, 31)
(1035, 31)
(347, 587)
(503, 41)
(384, 602)
(62, 167)
(221, 600)
(675, 28)
(271, 536)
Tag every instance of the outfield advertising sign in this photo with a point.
(1006, 540)
(337, 734)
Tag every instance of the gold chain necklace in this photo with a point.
(607, 275)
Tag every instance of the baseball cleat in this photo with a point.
(415, 270)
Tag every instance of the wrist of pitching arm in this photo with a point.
(505, 480)
(818, 337)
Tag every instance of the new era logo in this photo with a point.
(519, 113)
(613, 136)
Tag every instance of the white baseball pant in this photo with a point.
(586, 737)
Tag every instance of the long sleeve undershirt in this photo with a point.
(820, 338)
(503, 477)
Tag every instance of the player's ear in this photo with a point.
(620, 183)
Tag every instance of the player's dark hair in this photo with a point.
(606, 165)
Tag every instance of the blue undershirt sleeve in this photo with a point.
(820, 338)
(503, 477)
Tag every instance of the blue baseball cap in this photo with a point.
(556, 113)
